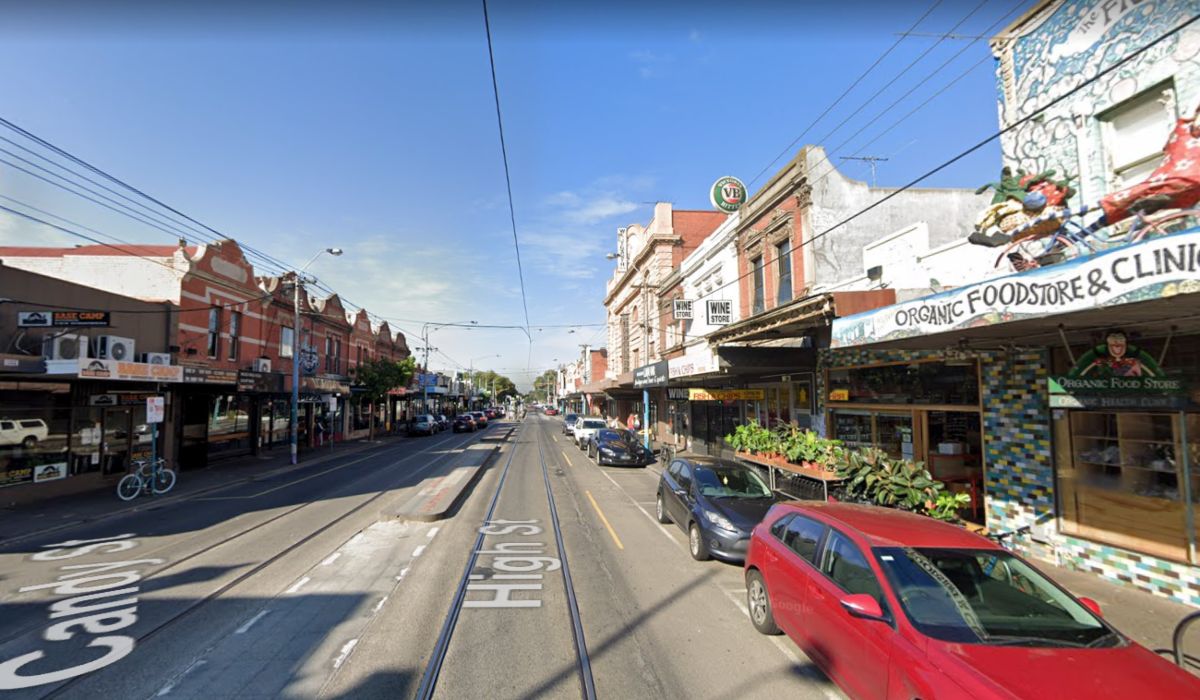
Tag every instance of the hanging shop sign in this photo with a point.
(251, 382)
(1118, 374)
(720, 312)
(155, 409)
(702, 362)
(49, 472)
(728, 194)
(1153, 269)
(207, 375)
(309, 360)
(324, 385)
(725, 394)
(651, 375)
(128, 371)
(682, 310)
(62, 319)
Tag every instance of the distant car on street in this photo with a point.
(423, 425)
(442, 421)
(716, 503)
(490, 413)
(464, 423)
(584, 429)
(618, 447)
(552, 411)
(481, 419)
(898, 605)
(568, 423)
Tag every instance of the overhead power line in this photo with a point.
(512, 214)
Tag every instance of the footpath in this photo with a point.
(25, 520)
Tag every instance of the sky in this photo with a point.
(372, 127)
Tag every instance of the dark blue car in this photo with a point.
(618, 447)
(716, 503)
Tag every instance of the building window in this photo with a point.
(625, 343)
(287, 337)
(759, 292)
(235, 331)
(784, 253)
(328, 353)
(214, 332)
(337, 355)
(1134, 133)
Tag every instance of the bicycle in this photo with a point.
(154, 478)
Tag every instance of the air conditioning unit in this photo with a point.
(112, 347)
(65, 347)
(156, 358)
(262, 364)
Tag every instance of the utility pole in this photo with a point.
(870, 161)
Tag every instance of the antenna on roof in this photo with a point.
(870, 161)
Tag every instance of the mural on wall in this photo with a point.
(1068, 43)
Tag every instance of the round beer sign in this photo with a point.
(728, 194)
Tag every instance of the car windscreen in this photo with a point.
(618, 435)
(987, 596)
(727, 481)
(591, 424)
(571, 417)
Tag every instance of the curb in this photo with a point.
(418, 508)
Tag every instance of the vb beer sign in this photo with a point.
(728, 194)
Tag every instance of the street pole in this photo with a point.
(646, 415)
(425, 373)
(296, 368)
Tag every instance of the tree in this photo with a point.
(543, 385)
(378, 377)
(487, 381)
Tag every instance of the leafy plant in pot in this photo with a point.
(753, 438)
(808, 448)
(875, 477)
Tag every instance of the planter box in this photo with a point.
(782, 464)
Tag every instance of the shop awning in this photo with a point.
(1151, 287)
(799, 316)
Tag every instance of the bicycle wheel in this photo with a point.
(129, 487)
(164, 481)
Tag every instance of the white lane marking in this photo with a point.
(403, 573)
(432, 532)
(349, 647)
(379, 604)
(166, 689)
(418, 551)
(250, 623)
(653, 519)
(331, 558)
(298, 585)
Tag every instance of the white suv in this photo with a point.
(26, 433)
(585, 428)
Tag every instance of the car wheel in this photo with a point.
(660, 511)
(759, 604)
(29, 442)
(696, 544)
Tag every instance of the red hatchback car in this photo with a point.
(896, 605)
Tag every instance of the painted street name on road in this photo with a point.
(93, 588)
(516, 566)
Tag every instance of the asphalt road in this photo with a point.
(299, 587)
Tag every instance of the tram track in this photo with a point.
(187, 611)
(433, 669)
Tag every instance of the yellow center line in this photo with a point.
(564, 454)
(599, 512)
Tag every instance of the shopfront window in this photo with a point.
(924, 383)
(35, 420)
(229, 423)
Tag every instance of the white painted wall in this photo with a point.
(710, 272)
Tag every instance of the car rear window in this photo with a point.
(593, 424)
(31, 424)
(571, 417)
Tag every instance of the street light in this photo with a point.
(297, 286)
(425, 328)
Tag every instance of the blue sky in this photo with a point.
(371, 126)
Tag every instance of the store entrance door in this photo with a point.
(118, 432)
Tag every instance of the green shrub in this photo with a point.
(752, 437)
(870, 474)
(807, 446)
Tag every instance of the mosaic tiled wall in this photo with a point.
(1019, 478)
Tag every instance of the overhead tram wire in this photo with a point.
(846, 92)
(512, 215)
(1027, 118)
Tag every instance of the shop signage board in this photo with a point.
(727, 194)
(24, 364)
(119, 398)
(1118, 374)
(251, 382)
(677, 393)
(16, 475)
(128, 371)
(720, 312)
(651, 375)
(682, 310)
(702, 362)
(208, 375)
(725, 394)
(1153, 269)
(49, 472)
(62, 319)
